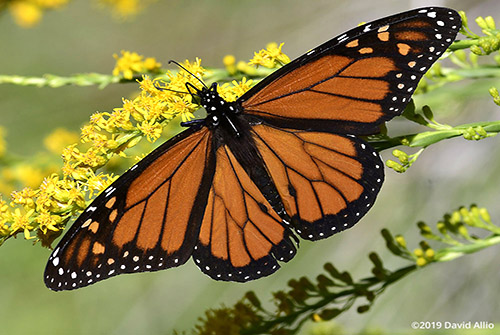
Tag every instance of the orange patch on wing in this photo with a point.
(365, 50)
(83, 251)
(372, 89)
(235, 205)
(316, 105)
(219, 239)
(415, 24)
(185, 184)
(237, 251)
(206, 225)
(256, 243)
(410, 36)
(307, 206)
(322, 169)
(384, 36)
(334, 142)
(270, 227)
(94, 227)
(164, 166)
(374, 67)
(348, 187)
(98, 248)
(126, 228)
(352, 44)
(113, 215)
(403, 48)
(110, 202)
(329, 198)
(153, 218)
(384, 28)
(300, 78)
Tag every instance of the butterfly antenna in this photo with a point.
(182, 67)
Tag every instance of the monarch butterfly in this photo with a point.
(234, 189)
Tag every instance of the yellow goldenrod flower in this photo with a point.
(92, 158)
(24, 197)
(98, 183)
(52, 4)
(151, 129)
(123, 8)
(120, 118)
(28, 175)
(47, 221)
(233, 91)
(421, 261)
(151, 65)
(59, 139)
(131, 63)
(274, 52)
(246, 68)
(21, 222)
(271, 57)
(418, 252)
(429, 254)
(26, 13)
(229, 62)
(3, 144)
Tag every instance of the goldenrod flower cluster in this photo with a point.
(271, 57)
(125, 8)
(41, 211)
(27, 13)
(130, 63)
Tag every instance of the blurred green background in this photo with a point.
(82, 38)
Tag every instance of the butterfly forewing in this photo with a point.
(359, 79)
(147, 220)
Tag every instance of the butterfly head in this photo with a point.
(218, 109)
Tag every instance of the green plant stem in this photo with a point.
(327, 299)
(462, 44)
(103, 80)
(448, 254)
(427, 138)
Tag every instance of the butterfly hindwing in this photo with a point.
(326, 181)
(241, 236)
(147, 220)
(357, 80)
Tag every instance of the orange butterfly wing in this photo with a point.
(148, 221)
(241, 235)
(326, 181)
(358, 80)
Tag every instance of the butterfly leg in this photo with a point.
(193, 123)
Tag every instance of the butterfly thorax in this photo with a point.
(220, 112)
